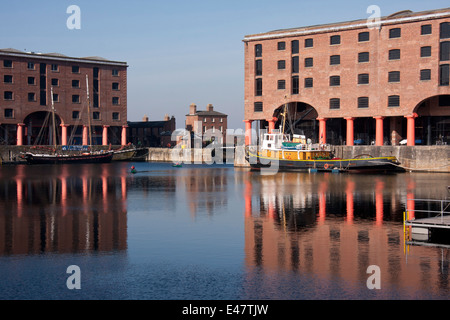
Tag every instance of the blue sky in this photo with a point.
(179, 52)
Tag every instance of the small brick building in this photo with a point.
(209, 121)
(27, 81)
(353, 82)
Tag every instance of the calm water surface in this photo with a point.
(212, 232)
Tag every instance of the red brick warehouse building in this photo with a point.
(26, 83)
(350, 83)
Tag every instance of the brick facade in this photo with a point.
(209, 121)
(26, 83)
(369, 70)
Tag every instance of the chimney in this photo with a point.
(166, 117)
(192, 109)
(209, 107)
(145, 118)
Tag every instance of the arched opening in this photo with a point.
(432, 127)
(40, 130)
(300, 119)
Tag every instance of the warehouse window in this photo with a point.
(295, 47)
(335, 103)
(394, 54)
(295, 85)
(281, 45)
(363, 36)
(281, 64)
(363, 78)
(394, 101)
(335, 40)
(258, 67)
(258, 107)
(425, 51)
(395, 33)
(363, 57)
(445, 30)
(9, 113)
(425, 74)
(425, 29)
(7, 63)
(309, 62)
(258, 50)
(295, 64)
(335, 81)
(309, 43)
(281, 84)
(363, 102)
(258, 87)
(444, 75)
(309, 82)
(335, 60)
(445, 51)
(394, 76)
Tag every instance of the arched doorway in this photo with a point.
(432, 127)
(300, 119)
(39, 129)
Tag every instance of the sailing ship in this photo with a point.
(57, 157)
(295, 152)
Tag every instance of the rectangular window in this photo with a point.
(7, 78)
(444, 101)
(363, 36)
(258, 67)
(115, 86)
(394, 54)
(31, 80)
(395, 33)
(258, 87)
(9, 113)
(425, 29)
(281, 64)
(115, 73)
(43, 98)
(7, 63)
(116, 116)
(295, 85)
(258, 107)
(335, 60)
(75, 98)
(425, 52)
(444, 54)
(445, 30)
(96, 115)
(425, 74)
(75, 83)
(31, 96)
(258, 50)
(75, 69)
(444, 75)
(309, 82)
(309, 43)
(55, 82)
(55, 67)
(363, 102)
(282, 45)
(281, 84)
(335, 103)
(30, 66)
(335, 40)
(295, 64)
(309, 62)
(363, 78)
(394, 76)
(295, 47)
(394, 101)
(55, 97)
(363, 57)
(75, 114)
(8, 95)
(335, 81)
(115, 101)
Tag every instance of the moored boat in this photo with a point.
(280, 152)
(58, 158)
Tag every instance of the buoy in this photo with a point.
(133, 169)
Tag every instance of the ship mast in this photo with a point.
(53, 117)
(89, 111)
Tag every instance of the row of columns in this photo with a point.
(350, 129)
(84, 134)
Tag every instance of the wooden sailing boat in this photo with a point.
(58, 157)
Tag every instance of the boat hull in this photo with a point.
(62, 159)
(258, 162)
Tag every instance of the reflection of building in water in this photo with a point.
(205, 190)
(335, 226)
(63, 211)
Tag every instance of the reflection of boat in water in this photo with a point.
(300, 154)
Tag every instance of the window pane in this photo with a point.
(309, 43)
(394, 54)
(363, 102)
(425, 74)
(363, 36)
(295, 64)
(335, 60)
(394, 76)
(309, 82)
(444, 75)
(281, 45)
(258, 50)
(445, 30)
(295, 85)
(258, 67)
(281, 65)
(335, 40)
(281, 84)
(425, 52)
(426, 29)
(395, 33)
(363, 57)
(363, 78)
(393, 101)
(295, 47)
(258, 86)
(309, 62)
(445, 51)
(258, 107)
(335, 81)
(335, 103)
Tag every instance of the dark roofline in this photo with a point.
(60, 57)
